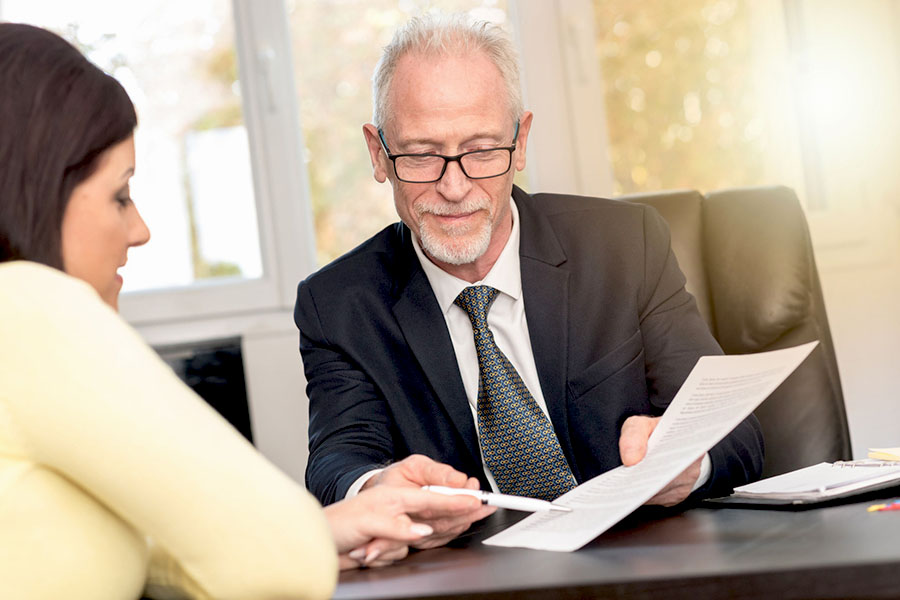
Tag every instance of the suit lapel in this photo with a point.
(423, 325)
(545, 287)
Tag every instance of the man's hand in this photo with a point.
(636, 431)
(448, 516)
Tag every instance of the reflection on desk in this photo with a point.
(834, 552)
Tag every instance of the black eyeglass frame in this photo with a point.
(449, 159)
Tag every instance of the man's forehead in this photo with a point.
(433, 98)
(438, 132)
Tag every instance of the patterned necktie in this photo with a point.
(517, 441)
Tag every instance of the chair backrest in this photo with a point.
(749, 262)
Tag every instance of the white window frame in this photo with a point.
(568, 150)
(228, 307)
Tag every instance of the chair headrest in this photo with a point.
(760, 264)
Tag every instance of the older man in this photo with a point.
(492, 338)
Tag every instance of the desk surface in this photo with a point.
(833, 552)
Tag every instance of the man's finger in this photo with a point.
(679, 488)
(436, 473)
(473, 484)
(419, 470)
(636, 431)
(423, 502)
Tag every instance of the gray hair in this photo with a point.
(435, 34)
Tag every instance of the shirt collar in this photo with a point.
(504, 276)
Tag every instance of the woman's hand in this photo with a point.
(374, 528)
(446, 519)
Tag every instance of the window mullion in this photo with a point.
(276, 141)
(561, 84)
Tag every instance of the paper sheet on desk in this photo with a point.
(719, 393)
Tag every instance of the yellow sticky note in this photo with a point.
(884, 453)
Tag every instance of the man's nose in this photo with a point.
(454, 185)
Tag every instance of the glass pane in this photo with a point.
(697, 94)
(846, 81)
(336, 46)
(193, 182)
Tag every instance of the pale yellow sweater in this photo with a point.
(115, 476)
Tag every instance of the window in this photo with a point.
(193, 182)
(845, 75)
(214, 152)
(226, 179)
(709, 94)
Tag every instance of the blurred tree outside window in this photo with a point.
(695, 94)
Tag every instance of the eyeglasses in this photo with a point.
(428, 168)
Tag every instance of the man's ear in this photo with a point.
(522, 140)
(376, 153)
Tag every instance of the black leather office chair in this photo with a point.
(748, 260)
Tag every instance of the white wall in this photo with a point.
(861, 284)
(278, 405)
(857, 239)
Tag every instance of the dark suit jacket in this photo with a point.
(614, 334)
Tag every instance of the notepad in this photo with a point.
(819, 483)
(885, 453)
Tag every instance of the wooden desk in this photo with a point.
(833, 552)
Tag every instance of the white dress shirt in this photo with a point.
(507, 321)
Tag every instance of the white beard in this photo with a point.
(457, 245)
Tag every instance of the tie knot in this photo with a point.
(476, 300)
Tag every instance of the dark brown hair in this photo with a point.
(58, 114)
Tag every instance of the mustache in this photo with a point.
(453, 210)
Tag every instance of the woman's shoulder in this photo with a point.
(22, 281)
(35, 298)
(27, 271)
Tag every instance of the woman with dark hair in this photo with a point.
(73, 113)
(115, 479)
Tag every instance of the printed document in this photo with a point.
(719, 393)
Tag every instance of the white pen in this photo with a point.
(500, 500)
